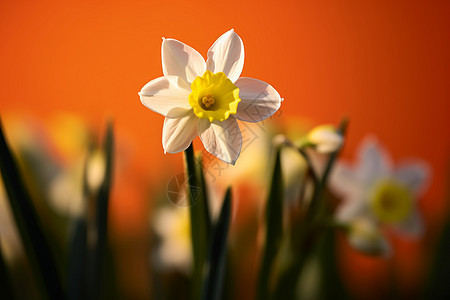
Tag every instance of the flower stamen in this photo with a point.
(207, 101)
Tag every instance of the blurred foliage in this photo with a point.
(268, 236)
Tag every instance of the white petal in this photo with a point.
(374, 162)
(412, 228)
(168, 96)
(344, 181)
(351, 209)
(328, 147)
(178, 133)
(222, 139)
(259, 100)
(227, 55)
(181, 60)
(415, 175)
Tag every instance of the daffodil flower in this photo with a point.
(375, 190)
(205, 98)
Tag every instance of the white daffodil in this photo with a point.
(376, 191)
(325, 138)
(205, 98)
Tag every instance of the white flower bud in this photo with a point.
(325, 138)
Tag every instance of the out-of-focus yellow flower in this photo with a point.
(375, 190)
(205, 98)
(172, 225)
(325, 138)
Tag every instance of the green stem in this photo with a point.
(199, 220)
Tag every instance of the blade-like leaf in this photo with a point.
(77, 259)
(332, 286)
(274, 229)
(95, 282)
(437, 286)
(28, 223)
(217, 256)
(5, 279)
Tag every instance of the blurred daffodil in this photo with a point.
(379, 194)
(325, 138)
(172, 225)
(205, 98)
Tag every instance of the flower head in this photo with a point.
(205, 98)
(379, 193)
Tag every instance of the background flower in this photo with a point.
(374, 189)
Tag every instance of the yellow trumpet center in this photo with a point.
(391, 202)
(214, 96)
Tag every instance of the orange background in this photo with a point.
(385, 64)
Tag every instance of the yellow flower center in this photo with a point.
(208, 101)
(214, 96)
(391, 202)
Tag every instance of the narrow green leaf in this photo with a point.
(6, 289)
(437, 284)
(77, 260)
(332, 286)
(198, 219)
(28, 223)
(217, 256)
(274, 229)
(95, 282)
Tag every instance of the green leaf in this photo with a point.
(274, 229)
(332, 286)
(437, 285)
(95, 276)
(77, 259)
(28, 223)
(217, 255)
(6, 288)
(198, 218)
